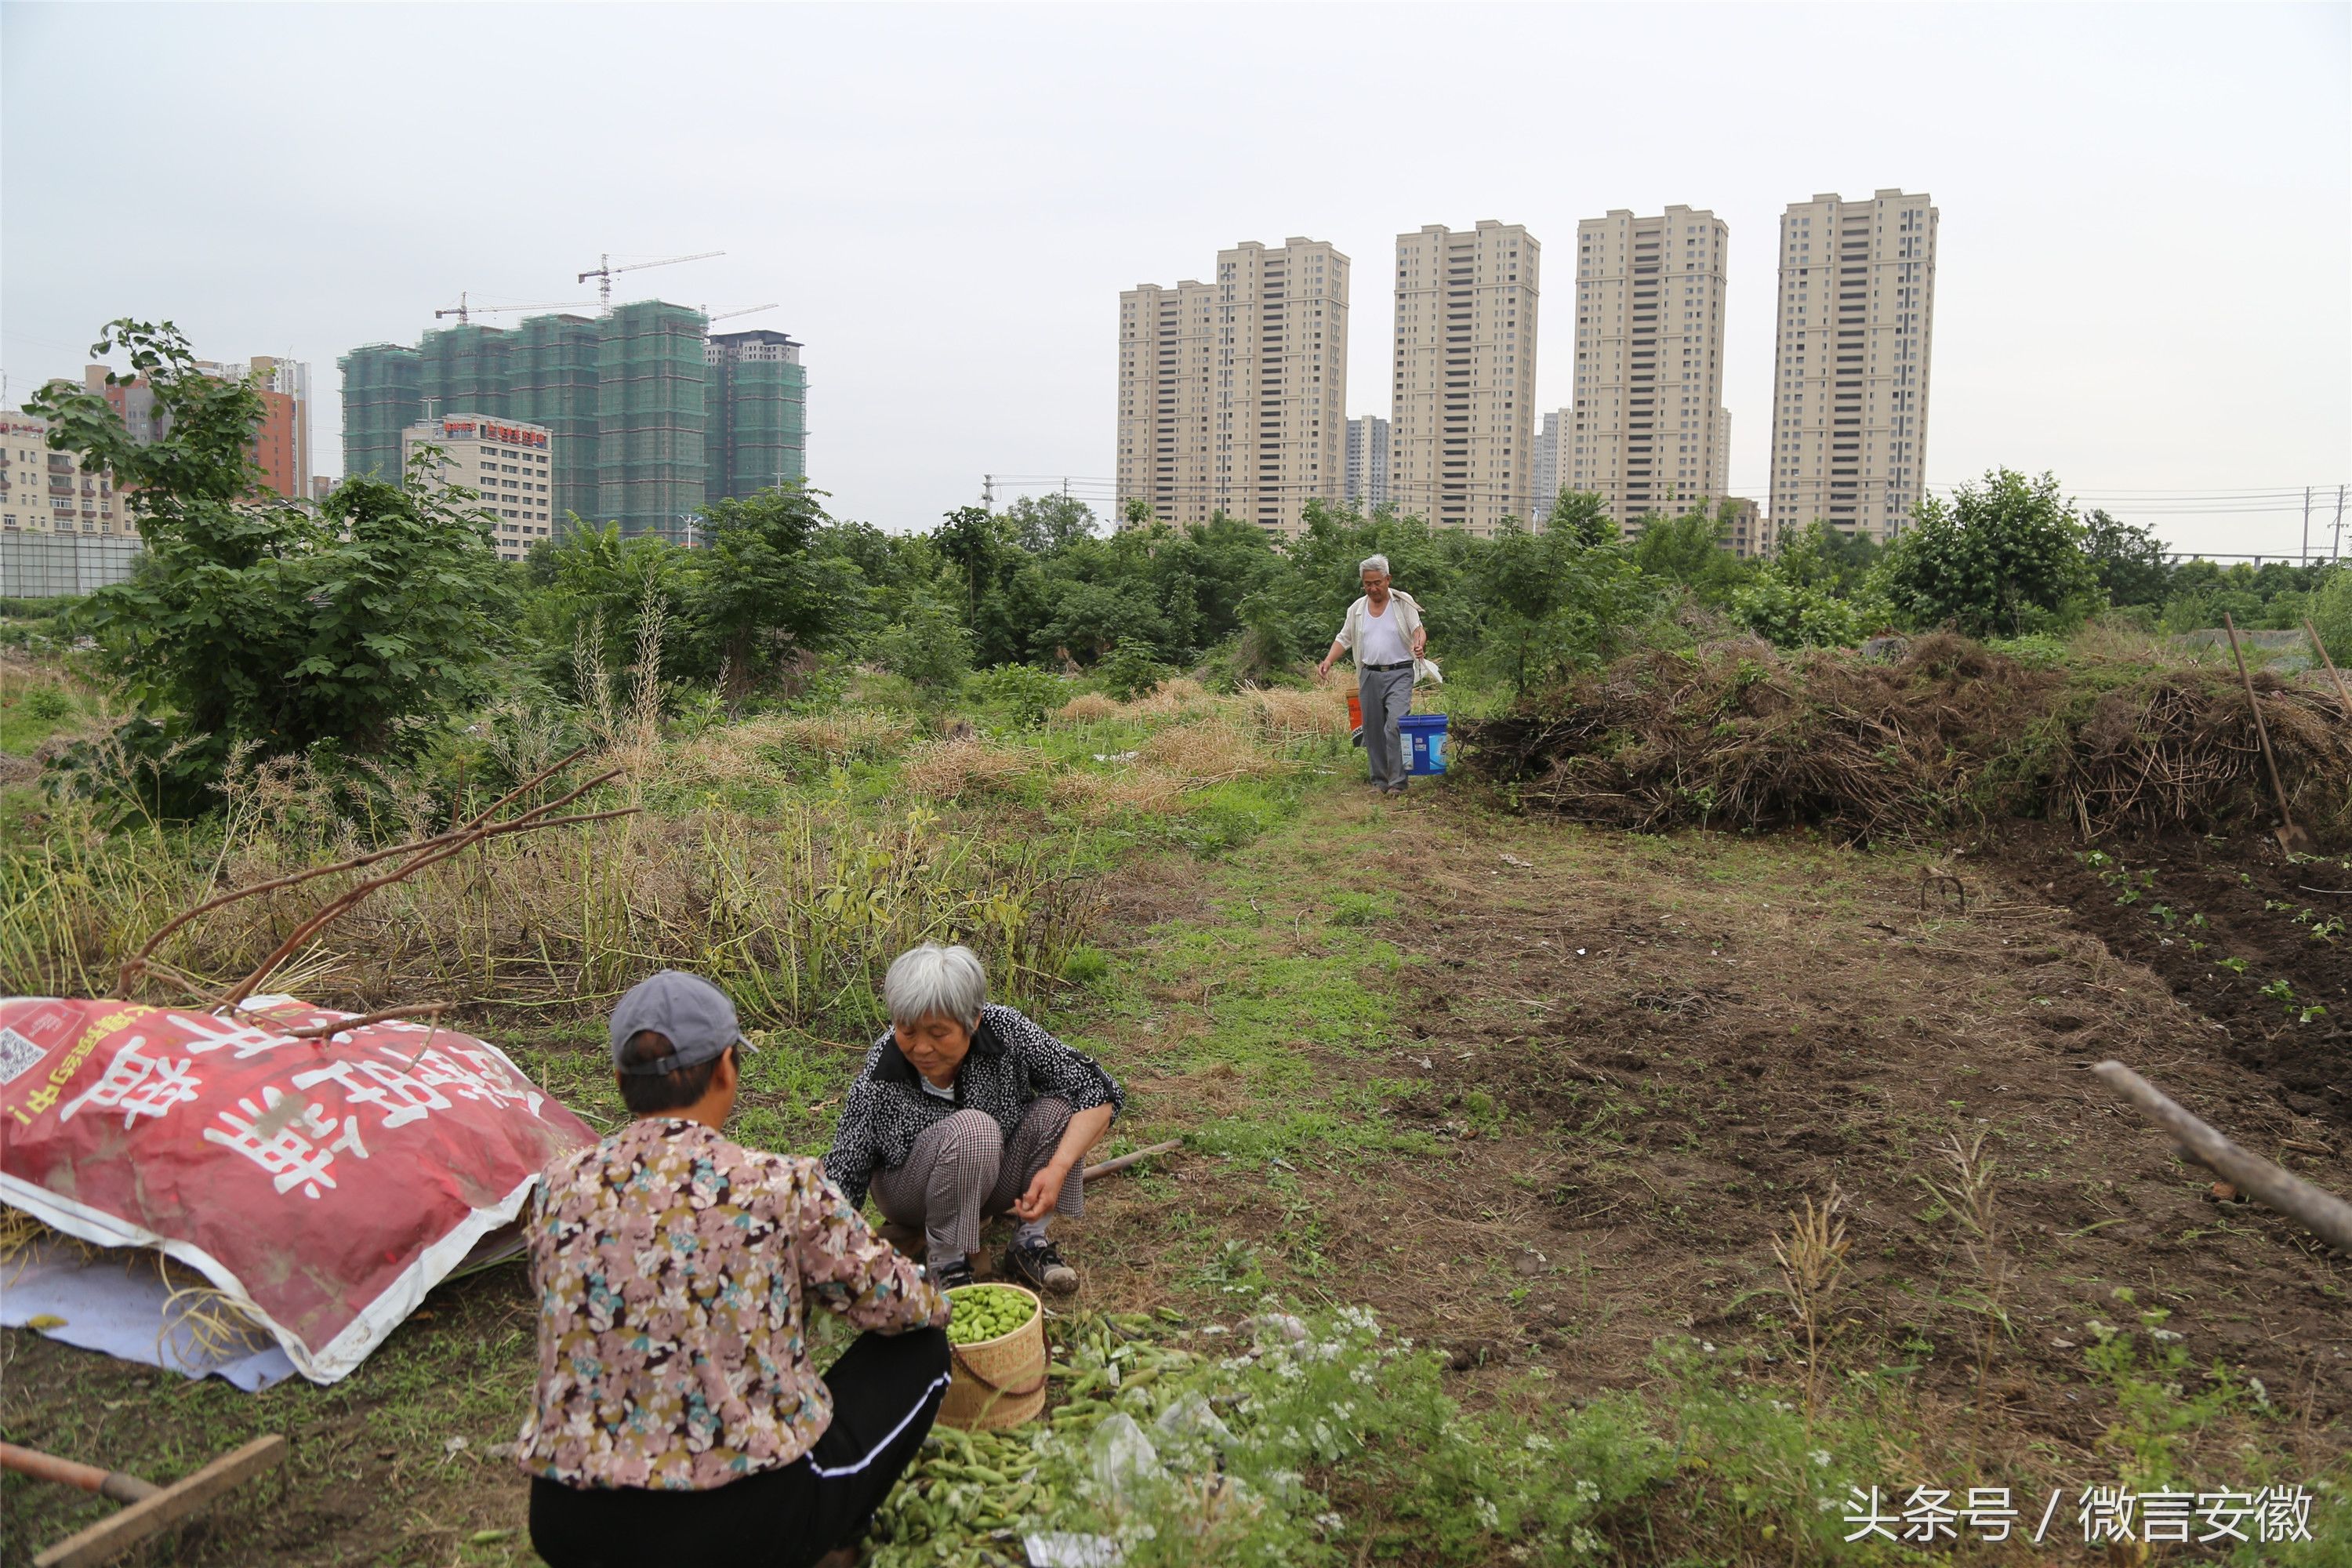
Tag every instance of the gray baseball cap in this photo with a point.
(688, 1011)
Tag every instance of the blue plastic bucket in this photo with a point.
(1423, 735)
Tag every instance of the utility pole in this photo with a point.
(2307, 525)
(988, 492)
(2337, 554)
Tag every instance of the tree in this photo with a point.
(761, 594)
(260, 621)
(1582, 516)
(927, 645)
(1550, 601)
(1999, 559)
(1043, 524)
(2129, 559)
(1687, 550)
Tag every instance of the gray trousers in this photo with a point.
(1386, 695)
(963, 1171)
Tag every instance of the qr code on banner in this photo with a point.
(16, 1055)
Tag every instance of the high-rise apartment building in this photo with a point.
(510, 464)
(1650, 434)
(1233, 394)
(1547, 468)
(1462, 373)
(1167, 400)
(758, 431)
(1857, 314)
(1368, 462)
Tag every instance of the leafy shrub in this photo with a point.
(927, 645)
(1133, 670)
(1024, 691)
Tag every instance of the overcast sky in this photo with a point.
(2145, 266)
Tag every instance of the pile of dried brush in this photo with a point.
(1739, 734)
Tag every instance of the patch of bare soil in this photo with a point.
(2187, 906)
(1637, 1056)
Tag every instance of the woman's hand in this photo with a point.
(1044, 1191)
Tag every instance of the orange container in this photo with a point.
(1354, 714)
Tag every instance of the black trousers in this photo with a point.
(885, 1389)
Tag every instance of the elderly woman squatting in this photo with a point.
(965, 1109)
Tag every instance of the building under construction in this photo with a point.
(652, 419)
(553, 381)
(758, 421)
(382, 395)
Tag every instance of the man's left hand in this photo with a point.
(1044, 1191)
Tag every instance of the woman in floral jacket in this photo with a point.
(965, 1110)
(678, 1417)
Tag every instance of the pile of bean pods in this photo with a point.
(970, 1497)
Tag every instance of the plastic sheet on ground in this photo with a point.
(119, 1304)
(322, 1185)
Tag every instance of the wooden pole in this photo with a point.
(1124, 1161)
(158, 1510)
(116, 1484)
(2291, 837)
(2321, 1213)
(2333, 673)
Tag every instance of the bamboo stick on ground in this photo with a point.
(2321, 1213)
(1124, 1161)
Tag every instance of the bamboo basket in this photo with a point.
(999, 1382)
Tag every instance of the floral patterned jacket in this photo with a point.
(674, 1268)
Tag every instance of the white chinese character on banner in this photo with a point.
(1925, 1516)
(1988, 1512)
(296, 1150)
(2165, 1516)
(392, 1082)
(2107, 1514)
(2226, 1514)
(211, 1034)
(1868, 1520)
(2285, 1513)
(137, 1085)
(484, 1080)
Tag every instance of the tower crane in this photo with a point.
(602, 272)
(723, 315)
(465, 311)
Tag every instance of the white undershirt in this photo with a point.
(934, 1090)
(1382, 642)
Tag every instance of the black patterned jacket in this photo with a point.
(1012, 1063)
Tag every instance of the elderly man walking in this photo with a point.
(1383, 630)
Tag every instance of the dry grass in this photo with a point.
(760, 751)
(1178, 695)
(1087, 708)
(944, 770)
(1143, 789)
(1207, 752)
(1290, 714)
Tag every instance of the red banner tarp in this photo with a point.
(324, 1185)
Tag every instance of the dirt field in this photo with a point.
(1543, 1097)
(1637, 1054)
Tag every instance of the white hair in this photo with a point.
(935, 982)
(1378, 563)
